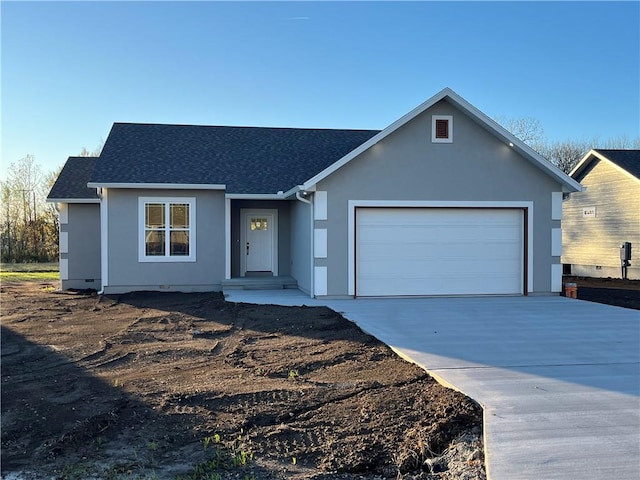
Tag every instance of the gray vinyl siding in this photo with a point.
(284, 235)
(83, 259)
(589, 243)
(126, 273)
(301, 245)
(406, 165)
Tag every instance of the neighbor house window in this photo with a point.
(442, 128)
(167, 229)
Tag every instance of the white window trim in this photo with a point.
(449, 119)
(142, 257)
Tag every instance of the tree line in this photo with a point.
(563, 154)
(29, 225)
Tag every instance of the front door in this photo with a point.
(258, 248)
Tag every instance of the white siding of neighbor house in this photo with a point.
(591, 245)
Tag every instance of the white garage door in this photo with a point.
(439, 251)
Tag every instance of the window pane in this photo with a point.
(154, 242)
(154, 215)
(179, 215)
(179, 243)
(259, 224)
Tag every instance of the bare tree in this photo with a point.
(95, 153)
(25, 219)
(622, 142)
(565, 155)
(527, 129)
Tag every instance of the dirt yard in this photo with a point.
(612, 291)
(187, 386)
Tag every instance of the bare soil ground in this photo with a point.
(611, 291)
(187, 386)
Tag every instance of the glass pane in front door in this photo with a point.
(259, 244)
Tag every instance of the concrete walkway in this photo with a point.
(559, 379)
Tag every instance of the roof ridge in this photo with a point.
(315, 129)
(617, 150)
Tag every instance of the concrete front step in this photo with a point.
(259, 283)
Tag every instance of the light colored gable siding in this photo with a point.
(82, 233)
(408, 166)
(596, 241)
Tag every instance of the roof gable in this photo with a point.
(262, 160)
(71, 184)
(627, 161)
(483, 120)
(247, 160)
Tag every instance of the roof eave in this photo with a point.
(255, 196)
(590, 156)
(159, 186)
(73, 200)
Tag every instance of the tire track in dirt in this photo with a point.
(168, 370)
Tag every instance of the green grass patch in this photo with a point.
(29, 267)
(29, 272)
(29, 276)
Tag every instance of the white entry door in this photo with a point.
(258, 243)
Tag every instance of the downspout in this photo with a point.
(312, 259)
(104, 267)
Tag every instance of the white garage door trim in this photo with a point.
(353, 204)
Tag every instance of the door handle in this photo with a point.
(247, 248)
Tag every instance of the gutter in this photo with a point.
(299, 196)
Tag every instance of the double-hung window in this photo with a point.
(167, 229)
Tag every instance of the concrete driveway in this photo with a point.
(559, 379)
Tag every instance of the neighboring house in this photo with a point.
(443, 201)
(606, 214)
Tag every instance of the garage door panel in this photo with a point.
(434, 285)
(418, 251)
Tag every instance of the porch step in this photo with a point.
(259, 283)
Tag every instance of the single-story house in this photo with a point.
(444, 201)
(598, 220)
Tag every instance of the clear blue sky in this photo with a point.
(69, 70)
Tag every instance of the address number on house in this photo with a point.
(589, 212)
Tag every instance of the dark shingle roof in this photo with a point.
(72, 181)
(629, 160)
(245, 159)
